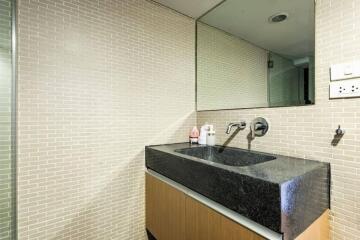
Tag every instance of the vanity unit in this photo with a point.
(246, 57)
(201, 192)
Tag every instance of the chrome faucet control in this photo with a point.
(239, 125)
(259, 127)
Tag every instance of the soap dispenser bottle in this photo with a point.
(203, 133)
(210, 138)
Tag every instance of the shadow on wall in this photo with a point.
(117, 205)
(118, 210)
(228, 141)
(171, 133)
(337, 138)
(232, 136)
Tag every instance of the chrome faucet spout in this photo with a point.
(240, 125)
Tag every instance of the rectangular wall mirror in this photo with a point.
(251, 57)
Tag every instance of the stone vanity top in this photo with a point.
(279, 170)
(285, 194)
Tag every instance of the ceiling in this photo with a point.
(248, 19)
(191, 8)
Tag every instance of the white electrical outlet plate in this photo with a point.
(345, 89)
(345, 71)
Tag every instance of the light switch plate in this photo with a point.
(345, 71)
(345, 89)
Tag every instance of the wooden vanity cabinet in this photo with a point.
(319, 229)
(172, 215)
(203, 223)
(165, 210)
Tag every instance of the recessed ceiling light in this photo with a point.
(279, 17)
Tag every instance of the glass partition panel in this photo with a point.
(290, 81)
(7, 164)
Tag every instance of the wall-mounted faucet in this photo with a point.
(240, 125)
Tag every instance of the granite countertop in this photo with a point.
(279, 170)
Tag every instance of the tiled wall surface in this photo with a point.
(83, 63)
(231, 72)
(308, 131)
(98, 80)
(6, 173)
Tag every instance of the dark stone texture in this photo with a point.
(226, 156)
(285, 194)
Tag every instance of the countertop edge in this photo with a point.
(236, 217)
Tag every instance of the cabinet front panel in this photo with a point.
(165, 210)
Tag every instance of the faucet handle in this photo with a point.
(259, 127)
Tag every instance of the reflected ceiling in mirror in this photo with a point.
(256, 53)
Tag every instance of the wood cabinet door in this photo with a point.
(165, 210)
(319, 230)
(203, 223)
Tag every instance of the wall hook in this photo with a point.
(339, 131)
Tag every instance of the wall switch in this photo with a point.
(345, 71)
(345, 89)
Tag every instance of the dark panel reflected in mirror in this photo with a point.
(251, 57)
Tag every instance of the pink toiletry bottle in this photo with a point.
(194, 135)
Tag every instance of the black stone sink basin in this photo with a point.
(226, 156)
(284, 194)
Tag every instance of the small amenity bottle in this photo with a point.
(194, 135)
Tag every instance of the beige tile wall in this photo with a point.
(98, 80)
(308, 131)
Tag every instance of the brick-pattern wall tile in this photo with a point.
(97, 81)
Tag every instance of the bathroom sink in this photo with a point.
(284, 194)
(226, 156)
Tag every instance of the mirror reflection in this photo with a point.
(250, 57)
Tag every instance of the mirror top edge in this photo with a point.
(240, 18)
(249, 108)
